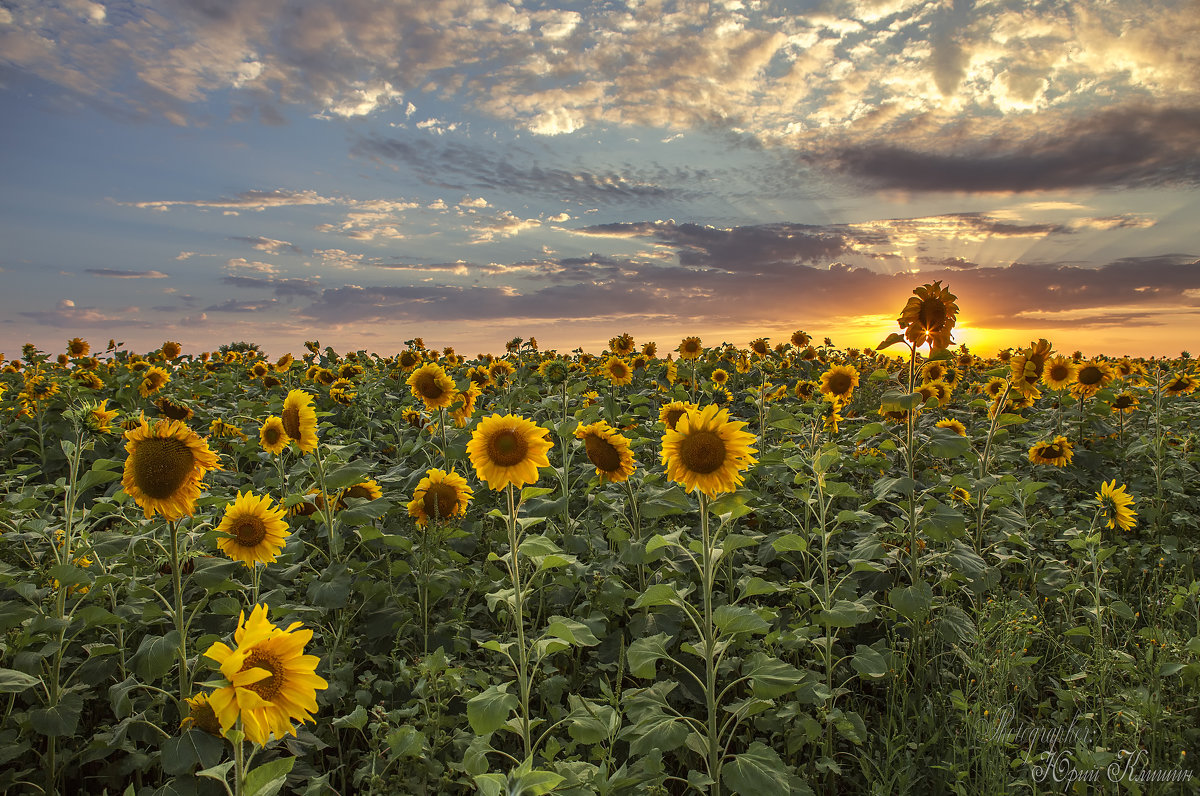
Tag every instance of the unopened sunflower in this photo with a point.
(608, 450)
(254, 530)
(164, 468)
(707, 451)
(439, 496)
(271, 682)
(507, 449)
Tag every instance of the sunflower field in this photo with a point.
(789, 568)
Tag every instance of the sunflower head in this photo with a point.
(618, 371)
(929, 316)
(78, 347)
(760, 347)
(1116, 506)
(1059, 372)
(439, 496)
(164, 468)
(670, 413)
(171, 350)
(1057, 452)
(201, 716)
(1027, 367)
(690, 348)
(253, 530)
(954, 425)
(649, 350)
(300, 420)
(1091, 377)
(1181, 384)
(839, 382)
(508, 449)
(622, 345)
(707, 451)
(153, 381)
(800, 338)
(608, 450)
(272, 435)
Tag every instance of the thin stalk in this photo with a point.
(707, 578)
(522, 667)
(185, 683)
(335, 543)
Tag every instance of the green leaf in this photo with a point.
(218, 772)
(644, 653)
(269, 778)
(14, 682)
(754, 586)
(771, 677)
(357, 719)
(738, 619)
(333, 588)
(789, 543)
(732, 504)
(890, 340)
(591, 722)
(912, 602)
(489, 710)
(538, 546)
(534, 492)
(658, 731)
(955, 626)
(347, 475)
(869, 663)
(659, 594)
(407, 741)
(184, 752)
(94, 477)
(843, 613)
(60, 720)
(758, 770)
(571, 631)
(156, 656)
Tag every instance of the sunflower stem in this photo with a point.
(335, 543)
(522, 663)
(239, 761)
(442, 428)
(185, 684)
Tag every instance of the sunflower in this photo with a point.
(365, 490)
(88, 379)
(153, 381)
(508, 449)
(430, 384)
(78, 347)
(994, 387)
(622, 345)
(1091, 378)
(1116, 506)
(933, 371)
(439, 496)
(800, 339)
(284, 363)
(1060, 372)
(1126, 402)
(165, 466)
(170, 350)
(1183, 384)
(413, 418)
(960, 495)
(839, 382)
(650, 350)
(169, 409)
(805, 390)
(690, 348)
(707, 451)
(463, 405)
(259, 369)
(325, 377)
(254, 531)
(201, 716)
(1027, 367)
(670, 413)
(221, 430)
(479, 376)
(954, 425)
(554, 371)
(270, 679)
(720, 377)
(608, 450)
(349, 370)
(99, 417)
(929, 316)
(618, 371)
(499, 371)
(272, 435)
(343, 392)
(1057, 452)
(760, 347)
(300, 420)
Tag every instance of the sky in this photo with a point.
(363, 172)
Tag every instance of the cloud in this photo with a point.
(282, 288)
(68, 315)
(235, 264)
(269, 245)
(946, 262)
(241, 306)
(117, 273)
(246, 200)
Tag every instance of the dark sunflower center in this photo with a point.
(269, 687)
(618, 370)
(507, 448)
(1052, 452)
(440, 501)
(932, 314)
(407, 360)
(271, 435)
(1090, 375)
(673, 416)
(839, 383)
(1059, 372)
(291, 422)
(602, 453)
(429, 388)
(161, 466)
(720, 376)
(702, 452)
(1123, 402)
(250, 531)
(358, 491)
(205, 718)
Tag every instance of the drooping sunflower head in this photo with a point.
(78, 347)
(500, 371)
(670, 413)
(1116, 506)
(1057, 452)
(1126, 402)
(284, 363)
(164, 468)
(300, 420)
(608, 450)
(153, 381)
(690, 348)
(169, 409)
(508, 449)
(201, 716)
(272, 435)
(929, 316)
(253, 530)
(960, 495)
(364, 490)
(839, 382)
(1181, 384)
(1027, 367)
(954, 425)
(88, 379)
(707, 451)
(439, 496)
(618, 371)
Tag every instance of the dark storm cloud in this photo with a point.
(451, 166)
(117, 273)
(737, 249)
(1128, 146)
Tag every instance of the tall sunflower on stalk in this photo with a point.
(508, 449)
(1028, 365)
(252, 530)
(153, 381)
(929, 317)
(1090, 378)
(165, 464)
(1059, 373)
(608, 450)
(838, 383)
(617, 371)
(707, 451)
(439, 496)
(300, 420)
(272, 435)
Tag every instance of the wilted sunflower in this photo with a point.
(1182, 384)
(1027, 367)
(254, 531)
(169, 409)
(1057, 452)
(508, 449)
(1059, 372)
(166, 463)
(954, 425)
(608, 450)
(201, 716)
(439, 496)
(98, 416)
(839, 382)
(622, 345)
(1116, 506)
(929, 316)
(153, 381)
(300, 420)
(670, 413)
(618, 371)
(431, 385)
(690, 348)
(271, 680)
(707, 451)
(272, 435)
(78, 347)
(1091, 378)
